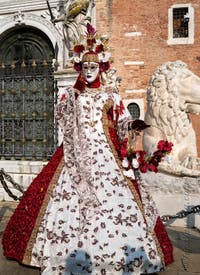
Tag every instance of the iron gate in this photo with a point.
(27, 97)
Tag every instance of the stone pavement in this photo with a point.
(186, 244)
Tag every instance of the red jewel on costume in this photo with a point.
(63, 97)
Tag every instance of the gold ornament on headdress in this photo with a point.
(90, 57)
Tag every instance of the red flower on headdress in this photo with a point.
(104, 66)
(90, 30)
(79, 48)
(99, 48)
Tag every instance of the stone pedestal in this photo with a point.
(173, 194)
(22, 172)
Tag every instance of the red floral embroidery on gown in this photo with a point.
(94, 221)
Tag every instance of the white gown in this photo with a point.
(94, 222)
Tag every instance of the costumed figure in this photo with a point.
(83, 214)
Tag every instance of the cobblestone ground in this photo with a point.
(186, 244)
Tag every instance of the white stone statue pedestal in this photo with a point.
(173, 194)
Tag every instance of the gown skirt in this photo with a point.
(112, 227)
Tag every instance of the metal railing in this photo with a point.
(182, 214)
(4, 178)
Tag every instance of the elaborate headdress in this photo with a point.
(93, 50)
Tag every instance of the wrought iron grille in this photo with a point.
(134, 110)
(180, 22)
(27, 97)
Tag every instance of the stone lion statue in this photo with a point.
(174, 92)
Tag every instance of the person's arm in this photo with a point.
(122, 117)
(61, 110)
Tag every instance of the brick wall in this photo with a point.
(148, 23)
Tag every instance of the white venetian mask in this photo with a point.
(90, 71)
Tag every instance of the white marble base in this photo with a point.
(174, 194)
